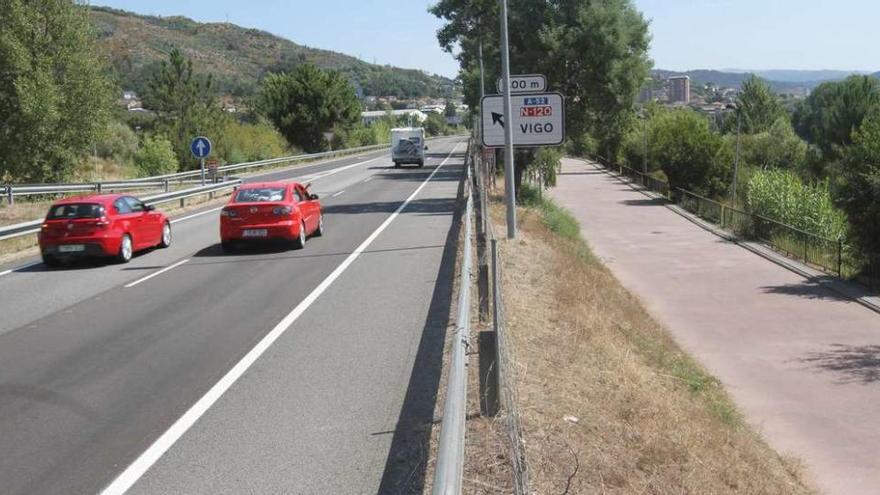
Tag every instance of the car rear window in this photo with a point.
(260, 194)
(76, 210)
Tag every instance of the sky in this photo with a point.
(687, 34)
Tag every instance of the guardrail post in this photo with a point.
(166, 185)
(10, 198)
(99, 187)
(182, 202)
(490, 402)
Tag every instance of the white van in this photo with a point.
(408, 146)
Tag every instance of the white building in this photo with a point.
(417, 116)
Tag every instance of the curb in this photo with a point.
(849, 290)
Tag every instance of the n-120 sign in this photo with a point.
(528, 83)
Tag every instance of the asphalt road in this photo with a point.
(267, 371)
(801, 361)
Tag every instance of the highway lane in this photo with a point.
(86, 389)
(36, 291)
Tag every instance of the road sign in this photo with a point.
(538, 120)
(201, 147)
(527, 83)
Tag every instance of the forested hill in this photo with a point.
(238, 57)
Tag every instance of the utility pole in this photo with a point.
(509, 185)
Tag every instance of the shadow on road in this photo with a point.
(645, 202)
(429, 206)
(807, 289)
(406, 465)
(852, 364)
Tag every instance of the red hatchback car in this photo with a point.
(103, 225)
(271, 210)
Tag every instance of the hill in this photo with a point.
(238, 57)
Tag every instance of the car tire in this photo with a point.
(165, 242)
(319, 231)
(126, 250)
(51, 261)
(300, 241)
(227, 247)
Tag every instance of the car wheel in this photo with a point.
(320, 230)
(126, 250)
(51, 261)
(227, 247)
(300, 241)
(166, 236)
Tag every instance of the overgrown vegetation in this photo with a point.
(782, 196)
(608, 402)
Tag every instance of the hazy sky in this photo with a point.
(687, 34)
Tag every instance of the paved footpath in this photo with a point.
(802, 362)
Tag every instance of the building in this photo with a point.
(646, 94)
(680, 89)
(417, 116)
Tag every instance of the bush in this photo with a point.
(156, 156)
(118, 143)
(779, 147)
(242, 142)
(690, 154)
(435, 125)
(781, 195)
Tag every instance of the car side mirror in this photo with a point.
(150, 207)
(314, 197)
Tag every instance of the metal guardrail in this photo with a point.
(450, 452)
(28, 228)
(10, 191)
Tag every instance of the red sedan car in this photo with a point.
(102, 225)
(271, 210)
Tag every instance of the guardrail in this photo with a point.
(28, 228)
(10, 191)
(450, 451)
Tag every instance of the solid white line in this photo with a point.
(340, 193)
(368, 179)
(195, 215)
(155, 451)
(160, 272)
(22, 267)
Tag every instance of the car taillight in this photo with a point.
(45, 226)
(286, 210)
(228, 213)
(102, 223)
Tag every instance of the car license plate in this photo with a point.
(71, 248)
(255, 233)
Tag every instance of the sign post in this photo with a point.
(509, 186)
(201, 149)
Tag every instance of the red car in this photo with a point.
(271, 210)
(102, 225)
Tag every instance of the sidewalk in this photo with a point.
(801, 361)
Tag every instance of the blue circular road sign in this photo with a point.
(201, 147)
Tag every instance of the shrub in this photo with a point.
(118, 142)
(243, 142)
(156, 156)
(781, 195)
(690, 154)
(779, 147)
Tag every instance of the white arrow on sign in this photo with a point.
(537, 120)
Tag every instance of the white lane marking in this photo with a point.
(22, 267)
(368, 179)
(154, 452)
(340, 193)
(160, 272)
(196, 215)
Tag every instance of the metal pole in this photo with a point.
(736, 159)
(202, 160)
(645, 163)
(509, 186)
(482, 73)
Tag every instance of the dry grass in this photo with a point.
(609, 403)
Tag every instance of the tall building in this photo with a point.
(680, 89)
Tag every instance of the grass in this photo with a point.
(609, 402)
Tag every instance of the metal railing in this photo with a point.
(450, 451)
(10, 191)
(32, 227)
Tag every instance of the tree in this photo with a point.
(450, 110)
(307, 103)
(758, 106)
(435, 124)
(156, 156)
(834, 110)
(55, 99)
(857, 189)
(778, 147)
(690, 154)
(185, 102)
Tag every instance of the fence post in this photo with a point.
(806, 243)
(490, 393)
(839, 257)
(723, 211)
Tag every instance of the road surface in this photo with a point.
(97, 362)
(802, 362)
